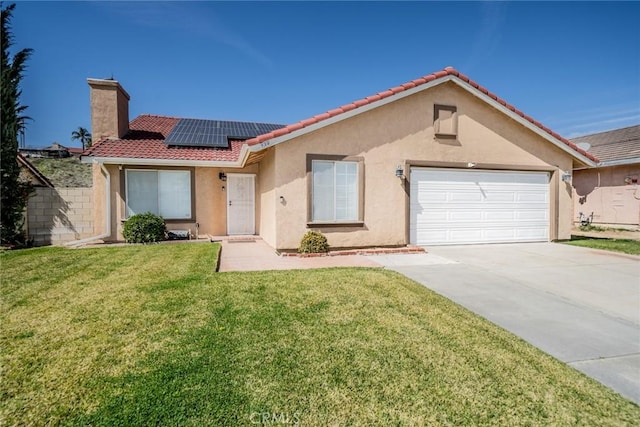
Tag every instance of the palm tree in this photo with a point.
(83, 135)
(22, 125)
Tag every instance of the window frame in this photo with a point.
(125, 191)
(359, 222)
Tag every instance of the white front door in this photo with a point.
(241, 204)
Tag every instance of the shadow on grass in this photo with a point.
(575, 237)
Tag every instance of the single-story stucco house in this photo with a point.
(609, 194)
(437, 160)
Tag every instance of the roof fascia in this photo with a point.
(163, 162)
(619, 162)
(356, 111)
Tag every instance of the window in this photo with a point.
(335, 191)
(445, 121)
(166, 193)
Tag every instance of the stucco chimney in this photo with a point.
(109, 109)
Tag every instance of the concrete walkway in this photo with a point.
(253, 254)
(580, 305)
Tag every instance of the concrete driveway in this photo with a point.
(580, 305)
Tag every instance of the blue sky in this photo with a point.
(573, 66)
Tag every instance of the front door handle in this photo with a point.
(229, 202)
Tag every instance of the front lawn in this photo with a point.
(151, 335)
(631, 247)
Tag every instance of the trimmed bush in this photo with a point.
(313, 242)
(144, 228)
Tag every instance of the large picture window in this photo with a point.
(163, 192)
(335, 191)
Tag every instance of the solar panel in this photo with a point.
(214, 133)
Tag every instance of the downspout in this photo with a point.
(107, 233)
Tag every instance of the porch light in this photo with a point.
(222, 176)
(399, 172)
(566, 177)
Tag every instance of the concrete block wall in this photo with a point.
(59, 215)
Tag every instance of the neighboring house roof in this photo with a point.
(408, 88)
(146, 140)
(618, 146)
(34, 172)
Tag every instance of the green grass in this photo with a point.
(631, 247)
(150, 335)
(67, 172)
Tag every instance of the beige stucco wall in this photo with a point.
(604, 192)
(268, 198)
(210, 201)
(401, 133)
(99, 199)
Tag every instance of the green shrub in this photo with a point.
(144, 228)
(313, 242)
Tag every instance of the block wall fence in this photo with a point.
(58, 215)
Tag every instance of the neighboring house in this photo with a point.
(610, 191)
(74, 151)
(30, 173)
(55, 150)
(438, 160)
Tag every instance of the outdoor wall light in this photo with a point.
(566, 177)
(399, 172)
(222, 176)
(472, 164)
(281, 199)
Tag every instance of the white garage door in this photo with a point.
(453, 206)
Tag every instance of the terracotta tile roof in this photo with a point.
(613, 145)
(74, 150)
(145, 140)
(449, 71)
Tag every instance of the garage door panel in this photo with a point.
(500, 215)
(462, 206)
(542, 216)
(533, 197)
(464, 216)
(499, 196)
(462, 235)
(434, 196)
(531, 234)
(432, 235)
(465, 197)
